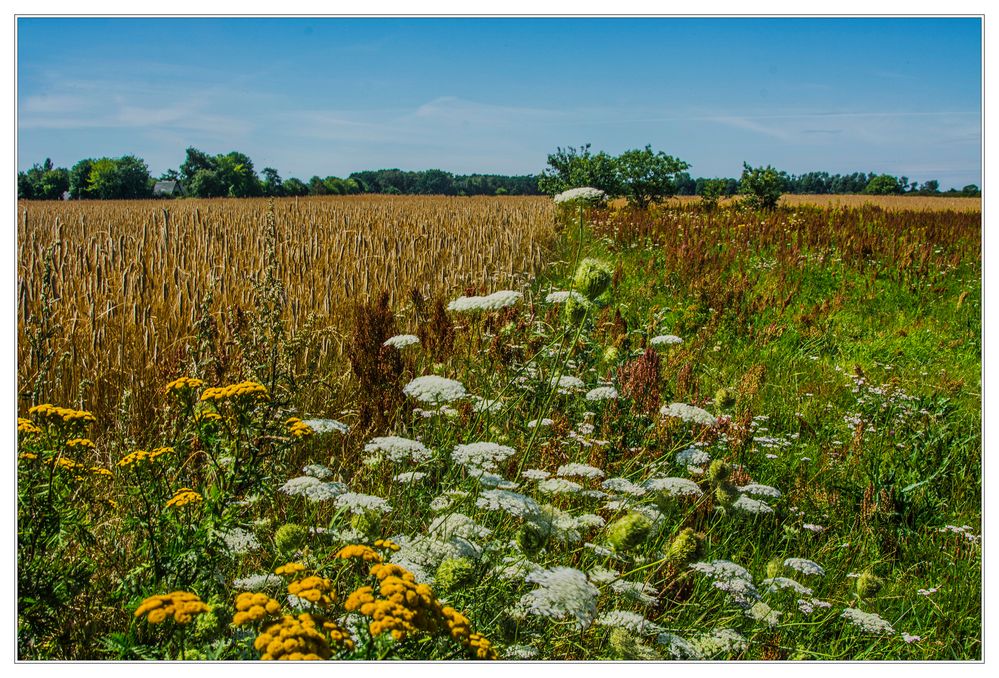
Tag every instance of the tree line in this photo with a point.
(641, 175)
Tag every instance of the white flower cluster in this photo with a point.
(535, 474)
(583, 194)
(744, 503)
(777, 583)
(482, 455)
(317, 471)
(409, 477)
(457, 525)
(326, 425)
(678, 647)
(718, 642)
(758, 490)
(602, 393)
(444, 501)
(804, 566)
(730, 577)
(688, 413)
(514, 503)
(624, 486)
(665, 340)
(562, 592)
(486, 405)
(560, 297)
(487, 479)
(558, 486)
(258, 582)
(674, 487)
(398, 449)
(491, 302)
(762, 612)
(808, 606)
(579, 471)
(567, 383)
(434, 390)
(692, 456)
(401, 341)
(629, 621)
(312, 488)
(360, 503)
(239, 541)
(867, 621)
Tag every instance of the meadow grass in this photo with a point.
(688, 436)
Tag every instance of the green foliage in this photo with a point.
(884, 184)
(224, 175)
(592, 279)
(628, 532)
(42, 182)
(572, 168)
(761, 186)
(647, 176)
(711, 190)
(110, 179)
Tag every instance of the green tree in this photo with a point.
(647, 176)
(79, 179)
(294, 187)
(711, 190)
(761, 186)
(972, 191)
(884, 184)
(573, 168)
(43, 182)
(271, 185)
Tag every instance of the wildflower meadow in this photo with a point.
(498, 429)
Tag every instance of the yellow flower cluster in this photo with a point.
(207, 416)
(406, 607)
(301, 638)
(81, 442)
(183, 384)
(143, 455)
(183, 497)
(26, 426)
(28, 455)
(64, 463)
(298, 428)
(181, 605)
(252, 607)
(365, 553)
(63, 414)
(315, 589)
(98, 471)
(386, 544)
(290, 568)
(244, 389)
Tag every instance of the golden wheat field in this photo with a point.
(129, 280)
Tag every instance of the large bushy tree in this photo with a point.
(761, 186)
(43, 182)
(646, 176)
(110, 178)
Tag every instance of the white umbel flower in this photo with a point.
(409, 477)
(492, 302)
(326, 425)
(560, 297)
(514, 503)
(398, 449)
(562, 592)
(688, 413)
(777, 583)
(867, 622)
(744, 503)
(434, 390)
(239, 541)
(665, 340)
(482, 455)
(317, 471)
(579, 471)
(629, 621)
(581, 194)
(298, 486)
(567, 383)
(804, 566)
(558, 486)
(624, 486)
(360, 503)
(675, 487)
(758, 490)
(258, 582)
(602, 393)
(401, 341)
(692, 456)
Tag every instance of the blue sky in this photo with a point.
(332, 96)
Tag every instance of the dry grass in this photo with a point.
(129, 277)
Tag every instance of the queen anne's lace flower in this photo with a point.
(581, 194)
(758, 490)
(692, 456)
(665, 340)
(744, 503)
(535, 474)
(360, 503)
(623, 485)
(398, 449)
(579, 471)
(630, 621)
(492, 302)
(776, 583)
(401, 341)
(324, 491)
(567, 383)
(326, 425)
(804, 566)
(558, 486)
(514, 503)
(562, 592)
(239, 541)
(688, 413)
(317, 471)
(867, 621)
(560, 297)
(258, 582)
(602, 393)
(409, 477)
(719, 641)
(434, 390)
(482, 455)
(675, 487)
